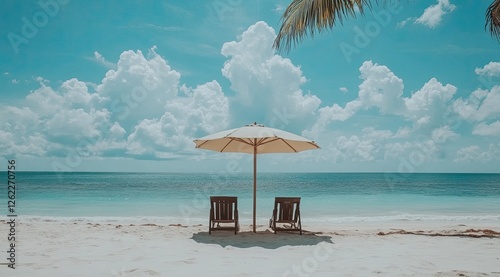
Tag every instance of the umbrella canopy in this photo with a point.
(255, 139)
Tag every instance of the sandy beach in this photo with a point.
(104, 248)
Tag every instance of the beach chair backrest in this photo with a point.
(223, 207)
(287, 208)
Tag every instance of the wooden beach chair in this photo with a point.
(286, 211)
(223, 210)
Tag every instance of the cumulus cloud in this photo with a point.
(432, 16)
(428, 113)
(429, 106)
(443, 134)
(355, 149)
(484, 129)
(383, 145)
(381, 89)
(475, 153)
(69, 112)
(395, 150)
(140, 109)
(480, 105)
(206, 111)
(139, 88)
(267, 86)
(492, 69)
(135, 111)
(17, 134)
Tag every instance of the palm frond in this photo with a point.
(305, 17)
(493, 19)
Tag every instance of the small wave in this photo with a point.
(102, 219)
(405, 217)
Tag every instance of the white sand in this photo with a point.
(158, 249)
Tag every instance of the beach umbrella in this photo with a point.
(255, 139)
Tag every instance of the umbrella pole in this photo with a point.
(254, 185)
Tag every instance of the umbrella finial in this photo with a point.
(255, 125)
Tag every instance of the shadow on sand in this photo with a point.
(265, 239)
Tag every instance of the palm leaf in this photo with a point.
(305, 17)
(493, 19)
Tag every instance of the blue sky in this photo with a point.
(127, 86)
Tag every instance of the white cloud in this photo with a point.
(136, 109)
(279, 8)
(100, 59)
(474, 153)
(492, 69)
(76, 123)
(332, 113)
(429, 106)
(396, 149)
(15, 81)
(484, 129)
(205, 111)
(406, 21)
(443, 134)
(429, 110)
(139, 88)
(153, 136)
(380, 88)
(433, 15)
(174, 131)
(71, 94)
(41, 80)
(267, 86)
(471, 153)
(356, 149)
(117, 130)
(403, 132)
(383, 90)
(344, 89)
(480, 105)
(17, 135)
(211, 107)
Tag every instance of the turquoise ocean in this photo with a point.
(326, 197)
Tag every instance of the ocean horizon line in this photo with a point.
(250, 172)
